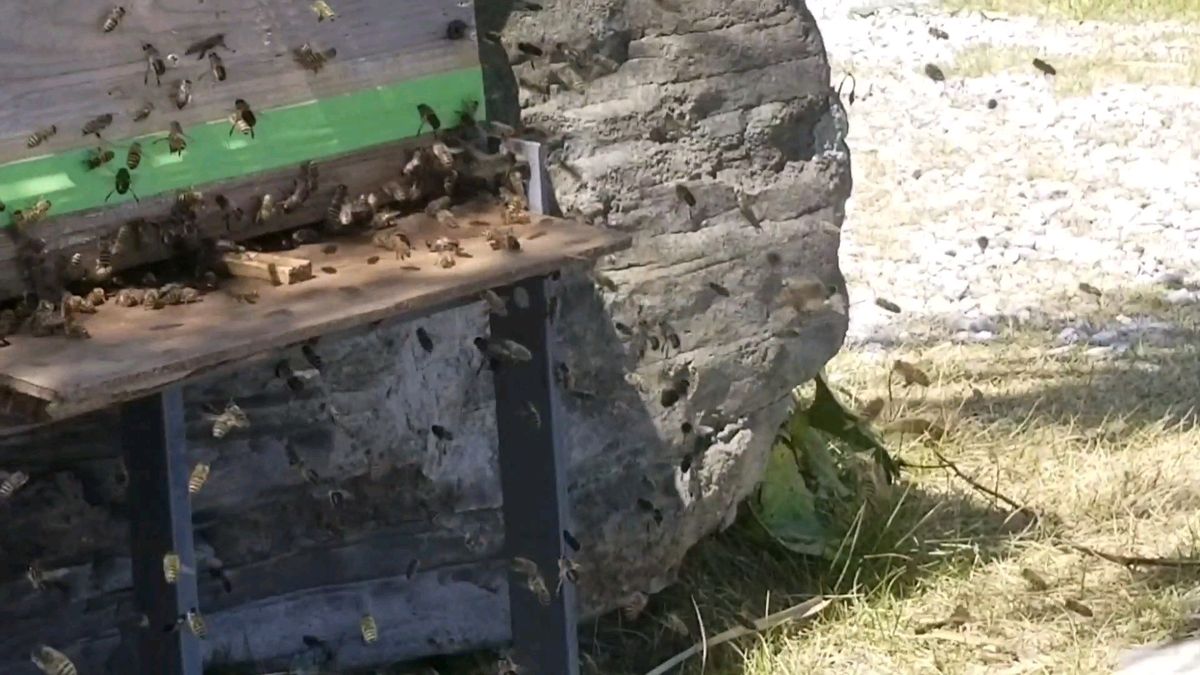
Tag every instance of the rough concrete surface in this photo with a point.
(682, 348)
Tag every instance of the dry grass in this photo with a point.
(1098, 10)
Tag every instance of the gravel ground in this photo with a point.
(985, 201)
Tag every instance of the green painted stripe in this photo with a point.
(284, 136)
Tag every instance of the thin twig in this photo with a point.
(800, 612)
(1135, 561)
(1011, 503)
(703, 636)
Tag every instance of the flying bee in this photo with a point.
(143, 112)
(195, 623)
(243, 118)
(391, 240)
(509, 350)
(97, 124)
(231, 418)
(324, 11)
(428, 116)
(216, 66)
(369, 630)
(456, 29)
(113, 19)
(123, 184)
(202, 47)
(51, 661)
(37, 212)
(13, 482)
(40, 136)
(495, 303)
(133, 157)
(266, 209)
(98, 158)
(446, 219)
(172, 566)
(176, 140)
(502, 239)
(36, 577)
(310, 59)
(181, 94)
(154, 64)
(568, 571)
(910, 374)
(685, 195)
(198, 477)
(533, 579)
(333, 213)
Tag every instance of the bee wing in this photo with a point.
(525, 566)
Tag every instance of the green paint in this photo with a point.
(284, 136)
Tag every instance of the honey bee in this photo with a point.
(112, 19)
(198, 477)
(456, 29)
(97, 124)
(38, 211)
(747, 210)
(202, 47)
(804, 295)
(446, 219)
(910, 374)
(152, 299)
(266, 210)
(509, 350)
(333, 213)
(51, 661)
(181, 93)
(298, 196)
(424, 339)
(633, 607)
(435, 205)
(311, 59)
(502, 239)
(496, 304)
(887, 305)
(446, 259)
(568, 571)
(74, 304)
(216, 66)
(97, 297)
(443, 154)
(685, 195)
(13, 482)
(123, 184)
(521, 297)
(391, 240)
(428, 116)
(533, 579)
(176, 140)
(231, 418)
(304, 235)
(247, 298)
(171, 566)
(195, 623)
(154, 64)
(369, 630)
(401, 191)
(324, 11)
(36, 577)
(143, 112)
(133, 157)
(40, 136)
(243, 118)
(98, 158)
(516, 209)
(129, 297)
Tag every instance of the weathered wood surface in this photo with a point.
(58, 67)
(133, 352)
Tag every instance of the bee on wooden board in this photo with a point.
(112, 19)
(154, 63)
(243, 118)
(195, 623)
(181, 93)
(324, 11)
(97, 124)
(123, 184)
(369, 629)
(333, 213)
(143, 112)
(52, 662)
(98, 158)
(568, 571)
(176, 140)
(13, 482)
(172, 567)
(534, 580)
(392, 240)
(40, 136)
(428, 116)
(266, 209)
(502, 239)
(232, 417)
(216, 66)
(311, 59)
(198, 477)
(133, 156)
(38, 211)
(496, 304)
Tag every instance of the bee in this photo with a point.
(74, 304)
(337, 498)
(216, 66)
(266, 210)
(516, 209)
(533, 579)
(176, 140)
(910, 374)
(231, 418)
(51, 661)
(502, 239)
(283, 370)
(718, 289)
(36, 212)
(181, 94)
(521, 297)
(568, 571)
(1045, 68)
(129, 297)
(370, 631)
(247, 298)
(437, 205)
(40, 136)
(446, 259)
(446, 219)
(530, 49)
(747, 210)
(443, 154)
(456, 29)
(633, 607)
(113, 19)
(195, 623)
(442, 433)
(1090, 289)
(304, 235)
(496, 304)
(133, 157)
(243, 118)
(509, 350)
(310, 59)
(123, 184)
(324, 11)
(97, 297)
(333, 213)
(36, 577)
(888, 305)
(428, 116)
(98, 158)
(143, 112)
(329, 269)
(934, 73)
(198, 477)
(154, 64)
(202, 47)
(685, 195)
(425, 340)
(298, 196)
(392, 240)
(171, 566)
(571, 541)
(13, 482)
(97, 124)
(372, 260)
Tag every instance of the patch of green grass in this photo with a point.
(1094, 10)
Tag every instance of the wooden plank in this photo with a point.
(57, 66)
(277, 269)
(134, 352)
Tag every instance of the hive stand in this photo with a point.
(532, 459)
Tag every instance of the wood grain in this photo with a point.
(58, 67)
(134, 351)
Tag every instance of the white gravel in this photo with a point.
(973, 218)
